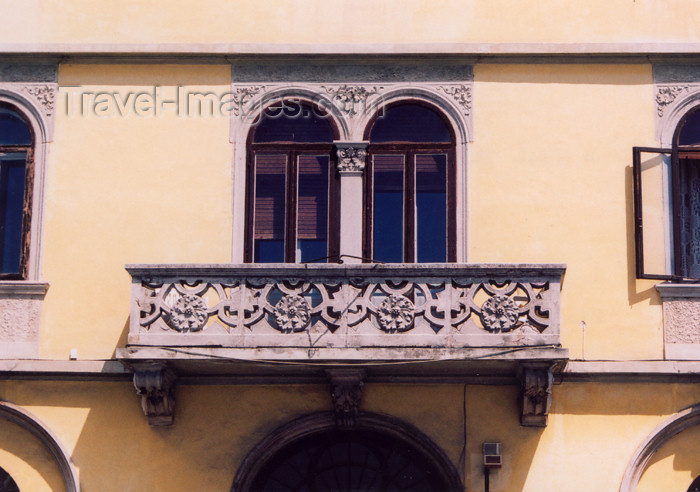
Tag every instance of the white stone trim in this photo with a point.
(673, 101)
(622, 48)
(30, 423)
(669, 428)
(36, 102)
(351, 106)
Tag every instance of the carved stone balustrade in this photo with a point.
(339, 311)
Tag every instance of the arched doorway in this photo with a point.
(379, 453)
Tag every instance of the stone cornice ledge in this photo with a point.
(679, 291)
(23, 288)
(632, 371)
(620, 48)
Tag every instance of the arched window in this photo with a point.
(16, 183)
(7, 483)
(292, 187)
(410, 186)
(695, 486)
(667, 205)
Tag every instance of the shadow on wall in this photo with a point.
(30, 464)
(634, 294)
(680, 454)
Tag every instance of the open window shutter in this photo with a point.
(653, 217)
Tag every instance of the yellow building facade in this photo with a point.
(148, 342)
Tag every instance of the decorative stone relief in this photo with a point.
(242, 98)
(333, 305)
(346, 393)
(499, 314)
(155, 384)
(20, 318)
(188, 313)
(292, 314)
(396, 314)
(351, 99)
(44, 95)
(665, 95)
(462, 95)
(351, 157)
(536, 394)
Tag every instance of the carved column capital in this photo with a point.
(535, 393)
(346, 392)
(155, 384)
(352, 157)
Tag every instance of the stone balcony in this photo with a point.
(329, 312)
(290, 323)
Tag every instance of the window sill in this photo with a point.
(20, 323)
(681, 311)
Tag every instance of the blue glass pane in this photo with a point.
(387, 234)
(409, 123)
(12, 171)
(431, 208)
(312, 206)
(13, 129)
(268, 251)
(269, 217)
(293, 122)
(690, 133)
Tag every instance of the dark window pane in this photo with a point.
(312, 207)
(12, 178)
(431, 208)
(388, 208)
(690, 133)
(270, 185)
(13, 129)
(293, 122)
(7, 484)
(690, 217)
(409, 123)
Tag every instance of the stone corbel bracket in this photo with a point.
(155, 384)
(536, 381)
(346, 393)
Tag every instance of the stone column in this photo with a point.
(351, 164)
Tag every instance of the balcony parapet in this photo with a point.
(316, 308)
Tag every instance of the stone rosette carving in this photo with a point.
(351, 99)
(351, 157)
(396, 314)
(292, 314)
(462, 95)
(346, 393)
(666, 95)
(499, 314)
(45, 95)
(155, 385)
(536, 394)
(189, 313)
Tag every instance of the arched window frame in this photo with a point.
(293, 150)
(674, 156)
(409, 150)
(28, 150)
(34, 102)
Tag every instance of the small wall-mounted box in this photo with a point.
(493, 454)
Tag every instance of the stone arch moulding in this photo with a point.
(351, 105)
(673, 101)
(324, 421)
(669, 428)
(27, 421)
(36, 102)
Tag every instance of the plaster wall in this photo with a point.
(593, 431)
(337, 21)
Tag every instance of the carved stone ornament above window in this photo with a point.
(351, 157)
